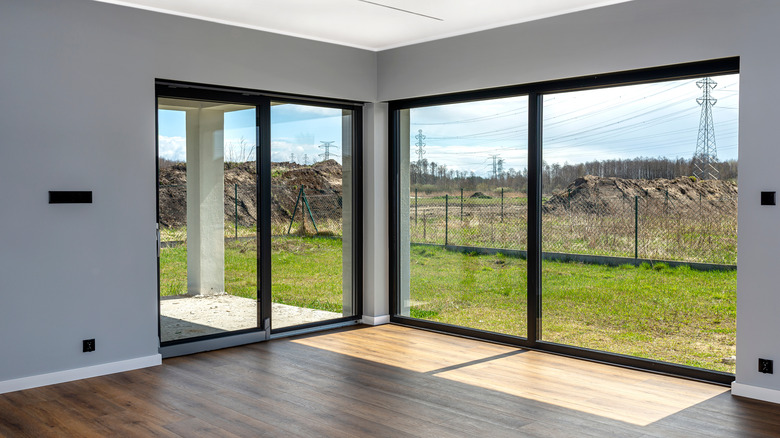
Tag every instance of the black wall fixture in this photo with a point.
(768, 198)
(70, 197)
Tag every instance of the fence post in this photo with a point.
(295, 209)
(424, 232)
(568, 209)
(666, 202)
(636, 227)
(461, 204)
(446, 218)
(235, 187)
(502, 204)
(415, 206)
(308, 207)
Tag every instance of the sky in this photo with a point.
(299, 130)
(646, 120)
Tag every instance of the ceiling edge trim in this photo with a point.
(356, 46)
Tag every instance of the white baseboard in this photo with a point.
(375, 320)
(79, 373)
(755, 392)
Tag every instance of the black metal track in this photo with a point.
(264, 214)
(534, 259)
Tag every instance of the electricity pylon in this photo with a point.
(498, 165)
(326, 145)
(706, 154)
(420, 146)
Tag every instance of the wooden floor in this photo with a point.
(383, 381)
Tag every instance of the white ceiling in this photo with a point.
(368, 24)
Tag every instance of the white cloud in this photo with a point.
(172, 148)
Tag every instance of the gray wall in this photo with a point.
(375, 171)
(77, 113)
(645, 33)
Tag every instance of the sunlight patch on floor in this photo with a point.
(631, 396)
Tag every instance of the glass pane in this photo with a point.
(311, 246)
(208, 218)
(463, 224)
(639, 220)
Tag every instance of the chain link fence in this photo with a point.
(469, 219)
(294, 210)
(695, 229)
(702, 230)
(305, 211)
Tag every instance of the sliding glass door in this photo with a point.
(463, 214)
(639, 223)
(207, 206)
(311, 219)
(256, 215)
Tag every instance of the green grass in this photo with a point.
(676, 315)
(305, 272)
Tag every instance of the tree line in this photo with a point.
(431, 176)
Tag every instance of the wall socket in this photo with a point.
(88, 345)
(765, 366)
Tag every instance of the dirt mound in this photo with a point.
(306, 177)
(592, 194)
(241, 174)
(173, 195)
(329, 167)
(321, 180)
(479, 195)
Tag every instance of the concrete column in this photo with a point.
(205, 202)
(404, 252)
(346, 212)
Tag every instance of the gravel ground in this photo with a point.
(184, 317)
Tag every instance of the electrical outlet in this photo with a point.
(89, 345)
(765, 366)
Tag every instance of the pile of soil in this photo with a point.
(323, 178)
(173, 195)
(480, 195)
(592, 194)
